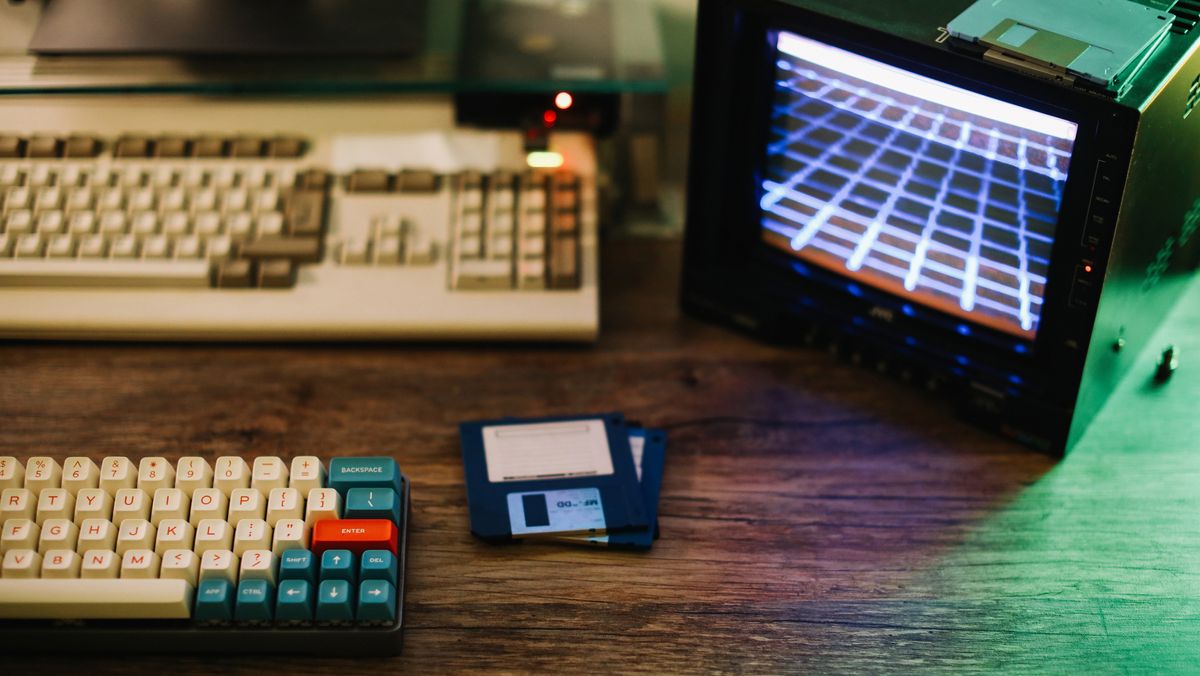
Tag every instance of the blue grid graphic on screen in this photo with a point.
(925, 190)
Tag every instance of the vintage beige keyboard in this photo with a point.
(259, 555)
(286, 220)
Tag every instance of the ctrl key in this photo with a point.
(214, 603)
(255, 601)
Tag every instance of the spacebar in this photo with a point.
(94, 599)
(100, 273)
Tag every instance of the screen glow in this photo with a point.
(929, 191)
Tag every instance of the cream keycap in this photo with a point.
(92, 503)
(284, 503)
(231, 472)
(289, 534)
(323, 503)
(95, 599)
(139, 564)
(19, 534)
(135, 534)
(17, 503)
(269, 472)
(96, 534)
(80, 472)
(42, 472)
(60, 564)
(20, 563)
(219, 564)
(258, 564)
(100, 564)
(180, 564)
(55, 503)
(155, 473)
(173, 534)
(246, 503)
(307, 473)
(130, 503)
(213, 534)
(116, 472)
(57, 534)
(191, 473)
(169, 503)
(251, 534)
(12, 472)
(208, 503)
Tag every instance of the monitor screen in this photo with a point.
(936, 194)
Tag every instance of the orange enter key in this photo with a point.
(356, 535)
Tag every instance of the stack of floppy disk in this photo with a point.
(586, 479)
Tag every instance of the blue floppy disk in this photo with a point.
(548, 477)
(649, 451)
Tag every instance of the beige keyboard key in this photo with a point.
(193, 472)
(135, 534)
(251, 534)
(323, 503)
(96, 599)
(231, 472)
(93, 503)
(79, 473)
(60, 564)
(169, 503)
(208, 503)
(257, 564)
(219, 565)
(12, 473)
(20, 564)
(213, 535)
(139, 564)
(289, 534)
(284, 503)
(130, 503)
(116, 472)
(246, 503)
(17, 503)
(19, 534)
(96, 534)
(42, 472)
(155, 473)
(180, 564)
(58, 534)
(55, 503)
(173, 534)
(308, 472)
(269, 472)
(100, 564)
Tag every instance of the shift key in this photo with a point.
(369, 472)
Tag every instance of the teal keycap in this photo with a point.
(373, 503)
(378, 472)
(335, 602)
(214, 602)
(255, 601)
(378, 564)
(294, 602)
(337, 564)
(376, 602)
(298, 564)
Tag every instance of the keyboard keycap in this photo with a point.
(104, 273)
(60, 564)
(57, 534)
(289, 534)
(335, 605)
(19, 534)
(92, 503)
(18, 503)
(95, 599)
(294, 604)
(356, 535)
(218, 564)
(139, 564)
(213, 535)
(378, 564)
(173, 534)
(131, 503)
(193, 472)
(367, 472)
(373, 503)
(180, 564)
(116, 472)
(255, 602)
(307, 473)
(42, 472)
(269, 472)
(100, 564)
(12, 473)
(338, 564)
(298, 564)
(55, 503)
(258, 564)
(322, 503)
(246, 503)
(208, 503)
(79, 473)
(214, 601)
(96, 534)
(376, 603)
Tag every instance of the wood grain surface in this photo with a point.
(814, 515)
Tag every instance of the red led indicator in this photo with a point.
(563, 100)
(549, 118)
(1087, 268)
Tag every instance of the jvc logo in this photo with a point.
(1162, 260)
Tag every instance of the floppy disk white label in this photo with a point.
(540, 451)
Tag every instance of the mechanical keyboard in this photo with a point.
(262, 556)
(291, 218)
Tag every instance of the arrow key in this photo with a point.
(335, 605)
(293, 605)
(377, 603)
(337, 564)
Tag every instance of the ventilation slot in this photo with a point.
(1193, 97)
(1187, 15)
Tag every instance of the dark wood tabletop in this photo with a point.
(814, 514)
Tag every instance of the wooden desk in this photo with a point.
(813, 515)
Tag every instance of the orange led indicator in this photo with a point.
(1087, 268)
(563, 100)
(549, 118)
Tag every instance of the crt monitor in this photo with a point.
(1012, 236)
